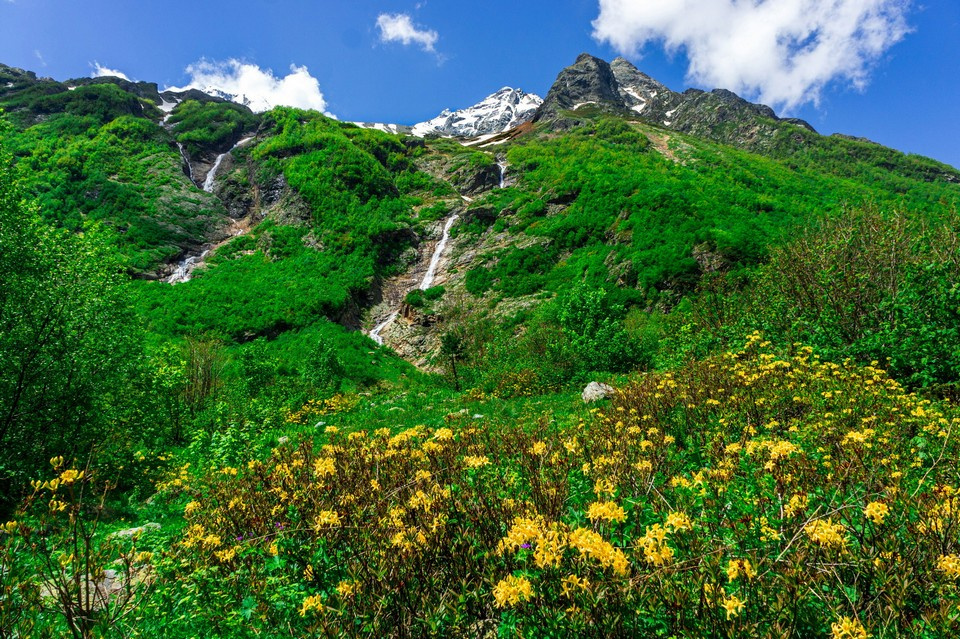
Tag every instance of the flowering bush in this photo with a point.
(752, 494)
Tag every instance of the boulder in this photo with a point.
(596, 391)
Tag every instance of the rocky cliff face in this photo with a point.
(620, 88)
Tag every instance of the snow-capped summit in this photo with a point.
(498, 112)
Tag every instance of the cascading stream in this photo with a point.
(186, 160)
(425, 283)
(184, 269)
(212, 174)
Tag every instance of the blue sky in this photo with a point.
(882, 69)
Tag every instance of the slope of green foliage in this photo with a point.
(96, 153)
(205, 126)
(641, 219)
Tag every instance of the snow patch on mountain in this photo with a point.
(498, 112)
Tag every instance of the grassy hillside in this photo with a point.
(779, 457)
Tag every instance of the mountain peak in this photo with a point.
(589, 80)
(620, 88)
(499, 111)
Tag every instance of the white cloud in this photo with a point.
(258, 88)
(783, 52)
(400, 28)
(100, 71)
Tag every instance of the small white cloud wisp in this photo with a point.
(100, 71)
(258, 88)
(399, 27)
(783, 52)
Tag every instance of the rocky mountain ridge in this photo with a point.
(620, 88)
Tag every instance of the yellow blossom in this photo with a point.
(538, 448)
(797, 505)
(847, 628)
(347, 588)
(590, 544)
(523, 531)
(733, 605)
(737, 567)
(949, 565)
(550, 547)
(512, 590)
(311, 603)
(604, 487)
(572, 583)
(677, 522)
(226, 555)
(826, 533)
(476, 461)
(326, 518)
(654, 544)
(606, 511)
(877, 511)
(67, 477)
(324, 467)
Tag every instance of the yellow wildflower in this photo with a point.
(226, 555)
(826, 533)
(847, 628)
(677, 522)
(590, 544)
(347, 588)
(538, 448)
(550, 547)
(476, 461)
(606, 511)
(327, 518)
(654, 544)
(877, 511)
(604, 487)
(523, 531)
(797, 504)
(67, 477)
(733, 605)
(949, 565)
(512, 590)
(737, 567)
(324, 467)
(311, 603)
(572, 583)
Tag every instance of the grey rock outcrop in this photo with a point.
(595, 391)
(620, 88)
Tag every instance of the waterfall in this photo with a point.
(437, 252)
(212, 174)
(375, 333)
(184, 269)
(425, 283)
(186, 159)
(503, 172)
